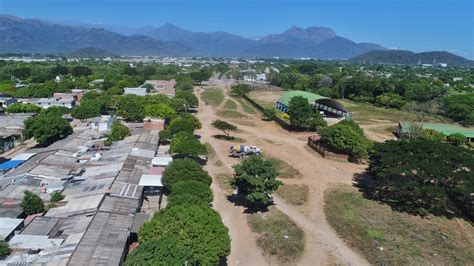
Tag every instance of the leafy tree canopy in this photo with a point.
(184, 170)
(423, 177)
(47, 127)
(197, 231)
(161, 110)
(32, 203)
(23, 108)
(255, 178)
(130, 108)
(240, 89)
(186, 143)
(183, 122)
(202, 193)
(347, 137)
(224, 126)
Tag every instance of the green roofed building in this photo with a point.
(320, 103)
(446, 129)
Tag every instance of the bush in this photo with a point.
(422, 177)
(240, 89)
(185, 122)
(56, 196)
(161, 110)
(269, 113)
(193, 188)
(195, 230)
(32, 203)
(184, 170)
(23, 108)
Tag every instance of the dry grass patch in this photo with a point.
(248, 109)
(211, 153)
(230, 105)
(285, 169)
(388, 237)
(279, 237)
(293, 194)
(230, 114)
(244, 122)
(212, 96)
(225, 182)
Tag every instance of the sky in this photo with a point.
(417, 25)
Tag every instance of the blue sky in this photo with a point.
(418, 25)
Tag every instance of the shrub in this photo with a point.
(46, 127)
(346, 137)
(166, 250)
(56, 196)
(186, 144)
(457, 139)
(118, 132)
(4, 249)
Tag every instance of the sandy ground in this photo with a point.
(323, 246)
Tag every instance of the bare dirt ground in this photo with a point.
(323, 246)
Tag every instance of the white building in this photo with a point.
(261, 77)
(135, 91)
(103, 124)
(6, 101)
(49, 102)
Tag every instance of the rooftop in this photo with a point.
(446, 129)
(8, 225)
(311, 97)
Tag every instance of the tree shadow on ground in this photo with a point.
(240, 200)
(223, 137)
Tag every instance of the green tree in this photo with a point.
(255, 178)
(224, 127)
(184, 86)
(420, 176)
(460, 108)
(56, 196)
(149, 87)
(118, 132)
(79, 71)
(23, 108)
(346, 137)
(32, 203)
(201, 193)
(188, 98)
(187, 123)
(4, 249)
(433, 135)
(196, 228)
(21, 72)
(162, 251)
(457, 139)
(185, 143)
(57, 110)
(130, 107)
(184, 170)
(299, 110)
(160, 110)
(46, 128)
(200, 75)
(239, 89)
(87, 109)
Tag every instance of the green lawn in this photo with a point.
(387, 237)
(230, 114)
(279, 237)
(285, 169)
(230, 105)
(248, 109)
(212, 96)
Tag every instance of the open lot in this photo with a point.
(388, 237)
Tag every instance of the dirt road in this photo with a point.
(323, 246)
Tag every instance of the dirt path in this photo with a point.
(323, 246)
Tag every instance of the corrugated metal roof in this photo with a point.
(10, 164)
(446, 129)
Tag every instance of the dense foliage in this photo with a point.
(162, 251)
(187, 144)
(23, 108)
(346, 137)
(190, 192)
(240, 89)
(184, 170)
(182, 123)
(4, 249)
(32, 203)
(224, 127)
(46, 128)
(118, 132)
(423, 177)
(56, 196)
(196, 231)
(255, 178)
(302, 114)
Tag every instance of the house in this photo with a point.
(8, 226)
(49, 102)
(323, 104)
(135, 91)
(6, 101)
(261, 77)
(6, 143)
(103, 123)
(447, 129)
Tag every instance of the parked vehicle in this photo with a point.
(239, 151)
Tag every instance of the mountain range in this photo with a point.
(402, 57)
(39, 36)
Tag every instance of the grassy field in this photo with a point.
(224, 181)
(279, 237)
(230, 105)
(212, 96)
(293, 194)
(387, 237)
(266, 99)
(286, 170)
(365, 113)
(211, 152)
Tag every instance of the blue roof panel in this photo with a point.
(10, 164)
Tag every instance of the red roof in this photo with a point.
(156, 170)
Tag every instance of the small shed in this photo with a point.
(162, 161)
